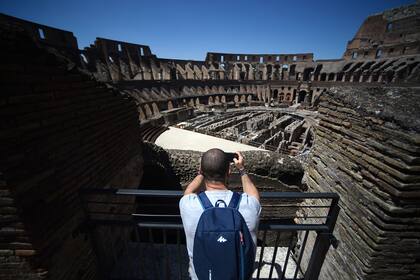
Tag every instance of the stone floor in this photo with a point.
(180, 139)
(141, 261)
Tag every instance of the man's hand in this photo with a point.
(239, 162)
(247, 183)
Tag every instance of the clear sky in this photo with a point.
(188, 29)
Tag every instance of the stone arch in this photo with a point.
(301, 97)
(142, 116)
(216, 100)
(170, 105)
(197, 102)
(309, 97)
(236, 99)
(191, 102)
(281, 97)
(249, 98)
(210, 100)
(289, 97)
(155, 109)
(275, 94)
(243, 98)
(148, 111)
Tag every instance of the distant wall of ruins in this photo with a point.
(367, 149)
(61, 131)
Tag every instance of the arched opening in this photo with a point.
(170, 105)
(281, 97)
(148, 111)
(307, 73)
(323, 77)
(275, 94)
(309, 97)
(155, 109)
(210, 101)
(331, 77)
(301, 97)
(142, 116)
(289, 97)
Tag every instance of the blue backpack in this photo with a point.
(223, 246)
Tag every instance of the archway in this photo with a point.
(275, 94)
(281, 97)
(148, 111)
(142, 116)
(301, 97)
(155, 109)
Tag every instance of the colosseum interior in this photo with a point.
(76, 124)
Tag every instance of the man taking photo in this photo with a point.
(224, 248)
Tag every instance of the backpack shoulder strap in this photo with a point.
(204, 200)
(235, 200)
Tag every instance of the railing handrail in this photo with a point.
(179, 194)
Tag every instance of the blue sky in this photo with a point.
(189, 29)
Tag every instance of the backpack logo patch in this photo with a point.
(221, 239)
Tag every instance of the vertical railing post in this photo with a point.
(322, 243)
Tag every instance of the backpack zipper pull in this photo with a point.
(241, 238)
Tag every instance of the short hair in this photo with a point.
(214, 165)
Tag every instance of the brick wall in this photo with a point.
(367, 149)
(60, 131)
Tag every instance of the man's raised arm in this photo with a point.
(247, 184)
(195, 184)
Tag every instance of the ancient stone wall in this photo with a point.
(60, 131)
(367, 149)
(392, 33)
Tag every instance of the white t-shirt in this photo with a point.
(191, 210)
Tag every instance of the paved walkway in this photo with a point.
(181, 139)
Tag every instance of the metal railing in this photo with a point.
(132, 241)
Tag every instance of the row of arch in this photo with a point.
(153, 109)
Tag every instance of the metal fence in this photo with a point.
(138, 234)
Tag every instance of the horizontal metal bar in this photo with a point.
(173, 225)
(176, 194)
(156, 215)
(296, 227)
(160, 225)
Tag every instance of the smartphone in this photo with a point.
(231, 156)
